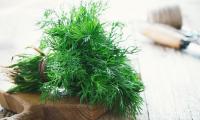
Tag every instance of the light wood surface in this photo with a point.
(172, 84)
(171, 79)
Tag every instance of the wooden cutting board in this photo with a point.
(29, 107)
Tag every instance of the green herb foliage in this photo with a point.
(27, 75)
(83, 60)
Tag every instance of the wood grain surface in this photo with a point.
(29, 107)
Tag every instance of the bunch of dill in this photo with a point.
(83, 60)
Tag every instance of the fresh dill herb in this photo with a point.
(83, 60)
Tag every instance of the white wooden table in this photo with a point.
(171, 77)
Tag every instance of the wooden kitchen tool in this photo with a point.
(29, 107)
(165, 35)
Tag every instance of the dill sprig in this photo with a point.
(83, 60)
(26, 74)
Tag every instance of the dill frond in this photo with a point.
(83, 60)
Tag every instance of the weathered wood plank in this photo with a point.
(158, 88)
(177, 81)
(192, 66)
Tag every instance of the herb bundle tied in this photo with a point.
(82, 60)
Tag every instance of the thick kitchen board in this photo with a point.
(28, 106)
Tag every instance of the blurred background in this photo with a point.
(18, 18)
